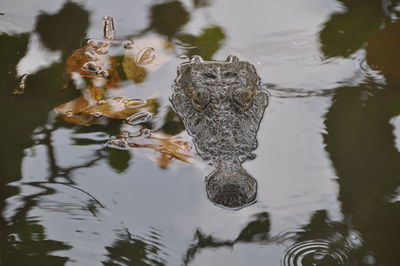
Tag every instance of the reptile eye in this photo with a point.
(209, 75)
(230, 75)
(243, 97)
(201, 98)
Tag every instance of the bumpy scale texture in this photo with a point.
(221, 104)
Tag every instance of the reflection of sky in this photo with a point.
(293, 172)
(37, 57)
(396, 132)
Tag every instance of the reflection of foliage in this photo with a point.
(27, 243)
(167, 18)
(13, 48)
(359, 130)
(119, 159)
(65, 29)
(255, 231)
(173, 124)
(320, 227)
(201, 3)
(128, 251)
(206, 44)
(346, 32)
(383, 52)
(326, 242)
(381, 233)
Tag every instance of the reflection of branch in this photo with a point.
(68, 185)
(255, 231)
(58, 171)
(28, 243)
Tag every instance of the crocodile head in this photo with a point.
(221, 104)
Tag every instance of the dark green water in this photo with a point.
(328, 160)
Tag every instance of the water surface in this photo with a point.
(327, 165)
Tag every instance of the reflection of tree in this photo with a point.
(382, 52)
(65, 30)
(173, 124)
(361, 143)
(348, 30)
(27, 243)
(23, 238)
(128, 250)
(254, 232)
(325, 242)
(168, 18)
(13, 49)
(24, 119)
(206, 44)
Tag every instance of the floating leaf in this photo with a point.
(166, 147)
(132, 71)
(117, 108)
(72, 111)
(93, 62)
(94, 103)
(84, 120)
(173, 147)
(72, 107)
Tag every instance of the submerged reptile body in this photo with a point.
(221, 104)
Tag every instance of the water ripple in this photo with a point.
(315, 252)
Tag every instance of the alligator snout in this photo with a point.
(231, 186)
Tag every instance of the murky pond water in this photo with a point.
(85, 183)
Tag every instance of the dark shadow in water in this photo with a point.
(324, 242)
(383, 53)
(206, 44)
(128, 250)
(168, 18)
(362, 148)
(64, 30)
(348, 30)
(222, 104)
(256, 231)
(25, 241)
(25, 124)
(11, 153)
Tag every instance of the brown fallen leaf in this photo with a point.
(94, 63)
(94, 103)
(166, 147)
(119, 108)
(132, 71)
(84, 120)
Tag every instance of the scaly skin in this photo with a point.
(221, 104)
